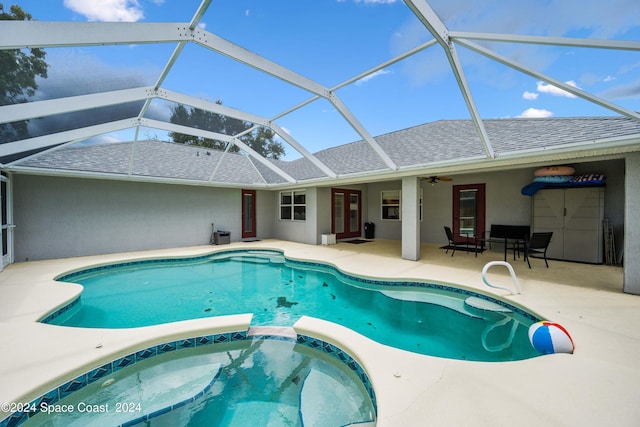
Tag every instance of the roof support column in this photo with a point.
(631, 278)
(410, 218)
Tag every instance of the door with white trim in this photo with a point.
(7, 226)
(249, 214)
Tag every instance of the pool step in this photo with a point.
(280, 331)
(455, 304)
(251, 258)
(324, 401)
(147, 393)
(486, 305)
(260, 413)
(259, 259)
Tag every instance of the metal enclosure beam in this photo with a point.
(554, 82)
(50, 107)
(548, 41)
(21, 34)
(362, 131)
(436, 27)
(11, 148)
(47, 34)
(217, 136)
(232, 112)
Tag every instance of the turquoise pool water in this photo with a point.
(260, 382)
(419, 317)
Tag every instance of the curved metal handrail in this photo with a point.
(513, 276)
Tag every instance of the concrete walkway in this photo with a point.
(597, 385)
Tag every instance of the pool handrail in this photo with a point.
(509, 267)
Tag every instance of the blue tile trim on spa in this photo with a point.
(55, 395)
(312, 264)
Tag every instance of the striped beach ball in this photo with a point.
(549, 337)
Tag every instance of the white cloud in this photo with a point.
(543, 87)
(530, 96)
(531, 113)
(609, 79)
(107, 10)
(368, 77)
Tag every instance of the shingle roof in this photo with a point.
(429, 143)
(151, 158)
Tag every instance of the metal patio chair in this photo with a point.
(537, 244)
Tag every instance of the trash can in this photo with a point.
(222, 237)
(369, 230)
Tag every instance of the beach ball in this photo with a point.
(549, 337)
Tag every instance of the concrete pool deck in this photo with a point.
(597, 385)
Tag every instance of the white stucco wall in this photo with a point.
(384, 229)
(504, 202)
(60, 217)
(64, 217)
(297, 231)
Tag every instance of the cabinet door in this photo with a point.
(583, 224)
(548, 215)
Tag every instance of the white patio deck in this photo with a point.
(598, 385)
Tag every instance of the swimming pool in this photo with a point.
(256, 381)
(425, 318)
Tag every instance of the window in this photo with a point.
(391, 205)
(293, 205)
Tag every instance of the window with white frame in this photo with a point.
(293, 205)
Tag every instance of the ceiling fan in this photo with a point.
(433, 180)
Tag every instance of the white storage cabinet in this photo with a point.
(574, 215)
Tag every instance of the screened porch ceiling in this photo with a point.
(290, 99)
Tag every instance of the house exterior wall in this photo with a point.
(384, 229)
(64, 217)
(298, 231)
(60, 217)
(438, 203)
(504, 202)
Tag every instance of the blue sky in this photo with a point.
(331, 41)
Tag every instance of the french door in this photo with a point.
(468, 211)
(248, 214)
(346, 206)
(6, 222)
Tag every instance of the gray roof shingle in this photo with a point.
(429, 143)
